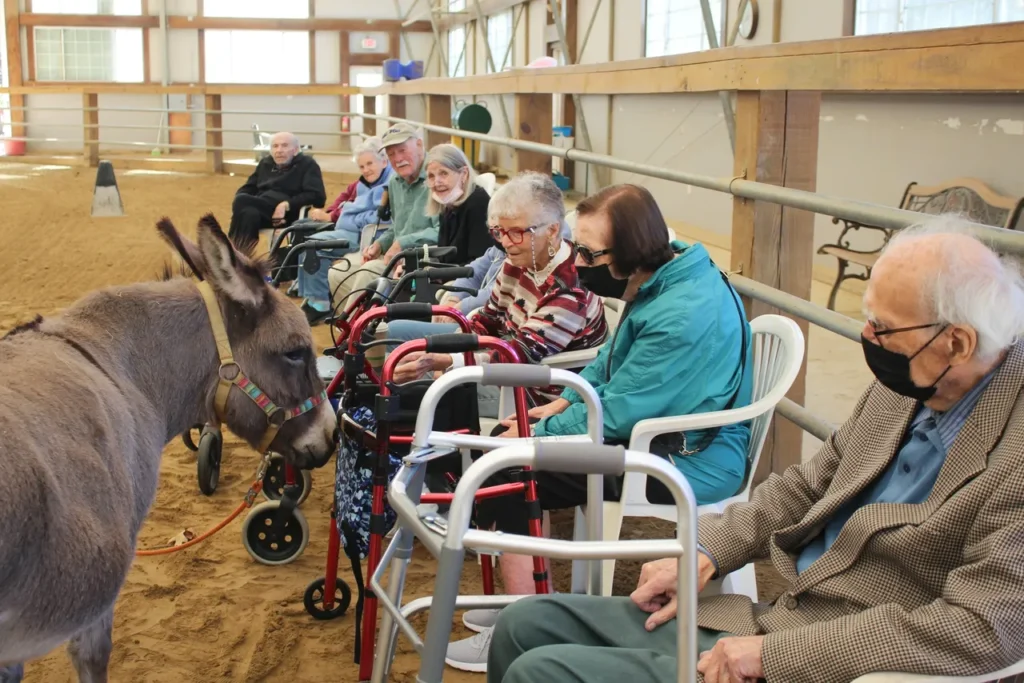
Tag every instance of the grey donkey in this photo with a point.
(89, 398)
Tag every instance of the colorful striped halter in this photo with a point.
(230, 375)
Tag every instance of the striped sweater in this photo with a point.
(543, 313)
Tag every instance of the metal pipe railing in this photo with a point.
(150, 145)
(801, 308)
(1001, 239)
(805, 419)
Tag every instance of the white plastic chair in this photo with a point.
(778, 351)
(891, 677)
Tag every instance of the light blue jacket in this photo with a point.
(362, 211)
(485, 271)
(676, 352)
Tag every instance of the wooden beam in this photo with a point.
(90, 130)
(312, 56)
(30, 52)
(180, 89)
(345, 71)
(91, 20)
(214, 136)
(777, 143)
(533, 123)
(969, 59)
(202, 55)
(318, 24)
(146, 67)
(439, 113)
(363, 59)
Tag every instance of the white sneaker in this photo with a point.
(470, 654)
(480, 620)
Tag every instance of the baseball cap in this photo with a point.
(397, 134)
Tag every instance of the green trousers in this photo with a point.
(585, 639)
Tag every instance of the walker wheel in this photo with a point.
(273, 480)
(270, 540)
(314, 600)
(208, 460)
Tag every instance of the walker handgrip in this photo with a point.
(438, 252)
(448, 273)
(452, 343)
(515, 375)
(411, 310)
(579, 458)
(325, 244)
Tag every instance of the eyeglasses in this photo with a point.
(515, 235)
(588, 254)
(884, 332)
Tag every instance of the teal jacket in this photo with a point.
(676, 351)
(410, 224)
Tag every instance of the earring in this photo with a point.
(551, 249)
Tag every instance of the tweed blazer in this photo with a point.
(932, 588)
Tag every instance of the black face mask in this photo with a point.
(600, 281)
(893, 369)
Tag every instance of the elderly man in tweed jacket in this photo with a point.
(902, 539)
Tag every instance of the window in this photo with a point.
(89, 54)
(257, 9)
(889, 16)
(123, 7)
(456, 5)
(677, 26)
(457, 51)
(499, 37)
(257, 56)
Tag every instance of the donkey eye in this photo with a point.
(295, 355)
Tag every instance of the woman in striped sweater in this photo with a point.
(537, 302)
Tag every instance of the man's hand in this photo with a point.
(371, 252)
(279, 212)
(319, 215)
(733, 660)
(656, 590)
(418, 363)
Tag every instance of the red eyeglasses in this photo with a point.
(515, 235)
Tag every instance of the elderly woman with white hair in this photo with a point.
(537, 302)
(458, 202)
(352, 211)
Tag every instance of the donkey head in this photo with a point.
(270, 342)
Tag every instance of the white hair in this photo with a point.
(530, 195)
(988, 297)
(370, 146)
(452, 158)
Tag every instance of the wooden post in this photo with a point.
(396, 106)
(777, 143)
(90, 130)
(214, 135)
(369, 107)
(12, 28)
(439, 113)
(533, 124)
(346, 101)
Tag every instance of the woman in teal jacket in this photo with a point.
(681, 347)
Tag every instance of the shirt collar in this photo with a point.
(949, 422)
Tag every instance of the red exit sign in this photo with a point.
(369, 43)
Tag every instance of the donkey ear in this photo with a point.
(185, 248)
(228, 270)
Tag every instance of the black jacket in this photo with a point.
(300, 183)
(465, 228)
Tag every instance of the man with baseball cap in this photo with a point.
(410, 225)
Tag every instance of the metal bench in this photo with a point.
(965, 196)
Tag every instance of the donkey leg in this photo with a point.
(12, 674)
(90, 649)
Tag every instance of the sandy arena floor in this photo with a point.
(211, 613)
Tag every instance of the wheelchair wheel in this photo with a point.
(273, 480)
(313, 600)
(208, 455)
(274, 541)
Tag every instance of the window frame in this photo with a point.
(723, 12)
(63, 54)
(301, 59)
(854, 17)
(454, 62)
(510, 61)
(294, 4)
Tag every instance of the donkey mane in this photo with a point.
(24, 327)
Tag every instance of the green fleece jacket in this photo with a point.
(410, 224)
